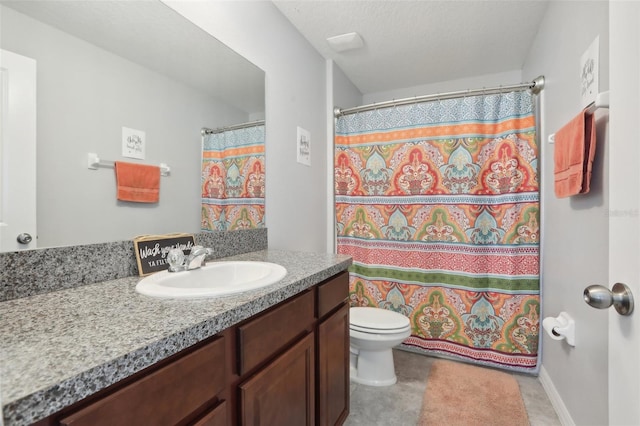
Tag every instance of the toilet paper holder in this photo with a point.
(601, 297)
(561, 327)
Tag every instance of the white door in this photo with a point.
(624, 201)
(17, 151)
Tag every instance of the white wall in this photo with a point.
(85, 96)
(575, 229)
(345, 93)
(296, 201)
(478, 82)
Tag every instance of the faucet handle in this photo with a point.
(175, 258)
(200, 250)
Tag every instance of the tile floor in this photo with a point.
(399, 405)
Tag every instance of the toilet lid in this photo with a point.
(377, 320)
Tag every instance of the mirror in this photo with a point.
(108, 65)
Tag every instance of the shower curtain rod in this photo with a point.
(536, 86)
(206, 131)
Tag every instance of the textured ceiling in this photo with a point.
(414, 42)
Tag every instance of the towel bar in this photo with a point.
(94, 162)
(602, 101)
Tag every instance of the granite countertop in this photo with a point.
(59, 347)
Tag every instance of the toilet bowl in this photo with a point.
(373, 332)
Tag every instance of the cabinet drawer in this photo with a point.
(165, 396)
(262, 337)
(215, 417)
(332, 293)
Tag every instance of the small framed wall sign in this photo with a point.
(151, 250)
(589, 73)
(133, 143)
(303, 146)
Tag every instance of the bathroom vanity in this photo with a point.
(278, 355)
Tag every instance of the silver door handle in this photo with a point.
(601, 297)
(24, 238)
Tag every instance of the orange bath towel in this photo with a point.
(575, 148)
(139, 183)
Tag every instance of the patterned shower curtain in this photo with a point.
(233, 179)
(438, 205)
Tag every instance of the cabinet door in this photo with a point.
(282, 393)
(333, 368)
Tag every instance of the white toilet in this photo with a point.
(373, 332)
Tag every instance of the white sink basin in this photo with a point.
(214, 279)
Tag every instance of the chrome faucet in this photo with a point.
(178, 262)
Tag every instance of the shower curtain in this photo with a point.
(233, 179)
(438, 204)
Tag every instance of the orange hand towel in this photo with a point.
(575, 148)
(139, 183)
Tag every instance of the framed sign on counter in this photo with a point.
(152, 250)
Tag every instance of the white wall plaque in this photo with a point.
(589, 70)
(133, 143)
(303, 147)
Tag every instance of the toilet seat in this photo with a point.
(377, 321)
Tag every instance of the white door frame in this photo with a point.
(624, 213)
(17, 150)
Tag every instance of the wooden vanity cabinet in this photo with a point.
(308, 382)
(286, 366)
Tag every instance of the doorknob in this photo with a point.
(24, 238)
(601, 297)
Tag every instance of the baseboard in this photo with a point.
(554, 397)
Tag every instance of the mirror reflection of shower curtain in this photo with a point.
(233, 179)
(438, 204)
